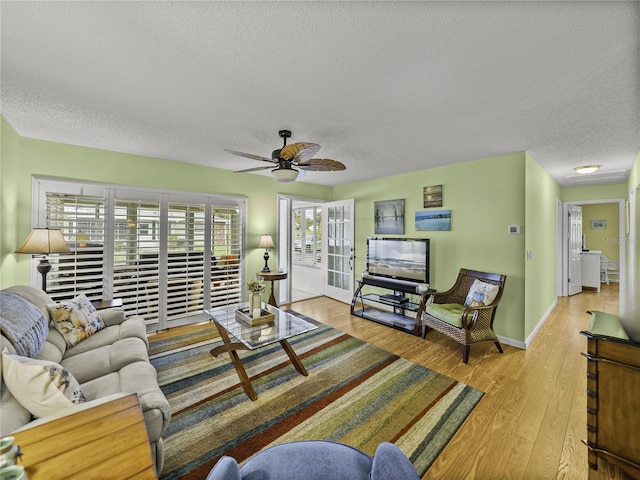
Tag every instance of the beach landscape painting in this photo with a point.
(432, 196)
(439, 220)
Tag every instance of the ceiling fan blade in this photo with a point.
(321, 165)
(251, 156)
(254, 169)
(300, 151)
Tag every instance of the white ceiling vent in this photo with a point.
(614, 176)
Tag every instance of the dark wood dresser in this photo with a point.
(613, 400)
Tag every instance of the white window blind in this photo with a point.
(82, 221)
(226, 241)
(151, 249)
(307, 244)
(136, 261)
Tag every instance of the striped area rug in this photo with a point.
(355, 393)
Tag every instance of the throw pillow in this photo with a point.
(481, 294)
(75, 319)
(42, 387)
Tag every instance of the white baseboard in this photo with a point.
(524, 345)
(534, 332)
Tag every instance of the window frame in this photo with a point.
(113, 194)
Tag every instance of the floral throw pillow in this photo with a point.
(75, 319)
(42, 387)
(481, 294)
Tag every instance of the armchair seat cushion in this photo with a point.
(450, 313)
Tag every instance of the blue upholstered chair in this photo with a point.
(318, 460)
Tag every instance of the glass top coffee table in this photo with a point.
(246, 337)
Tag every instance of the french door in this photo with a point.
(338, 250)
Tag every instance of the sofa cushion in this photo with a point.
(450, 313)
(132, 327)
(481, 294)
(14, 415)
(75, 319)
(140, 378)
(42, 387)
(105, 359)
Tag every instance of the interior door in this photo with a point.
(338, 251)
(575, 249)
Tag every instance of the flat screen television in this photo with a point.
(399, 258)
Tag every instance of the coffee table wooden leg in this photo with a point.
(295, 360)
(230, 348)
(242, 374)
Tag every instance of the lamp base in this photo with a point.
(44, 267)
(266, 260)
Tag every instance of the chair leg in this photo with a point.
(465, 353)
(498, 346)
(424, 330)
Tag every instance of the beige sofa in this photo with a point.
(112, 361)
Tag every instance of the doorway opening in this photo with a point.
(607, 238)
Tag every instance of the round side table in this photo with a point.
(271, 276)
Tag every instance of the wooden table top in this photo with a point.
(107, 441)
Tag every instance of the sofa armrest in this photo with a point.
(112, 316)
(156, 411)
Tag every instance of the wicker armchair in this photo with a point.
(461, 313)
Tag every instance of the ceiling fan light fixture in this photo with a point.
(586, 169)
(285, 175)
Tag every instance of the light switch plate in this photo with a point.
(514, 229)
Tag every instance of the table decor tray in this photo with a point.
(244, 315)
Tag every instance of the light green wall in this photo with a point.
(595, 192)
(542, 194)
(23, 157)
(485, 197)
(607, 240)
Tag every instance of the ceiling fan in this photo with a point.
(292, 158)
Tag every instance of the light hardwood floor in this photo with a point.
(530, 423)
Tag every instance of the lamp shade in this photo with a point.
(285, 175)
(42, 241)
(266, 242)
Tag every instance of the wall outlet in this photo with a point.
(514, 230)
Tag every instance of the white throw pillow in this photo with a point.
(75, 319)
(42, 387)
(481, 294)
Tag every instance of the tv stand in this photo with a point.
(401, 313)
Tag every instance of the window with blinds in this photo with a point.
(136, 257)
(167, 259)
(307, 242)
(82, 221)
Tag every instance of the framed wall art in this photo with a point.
(598, 224)
(432, 196)
(439, 220)
(388, 217)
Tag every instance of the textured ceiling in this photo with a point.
(384, 87)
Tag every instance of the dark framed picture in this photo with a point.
(432, 196)
(439, 220)
(388, 217)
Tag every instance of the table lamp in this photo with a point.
(266, 242)
(43, 241)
